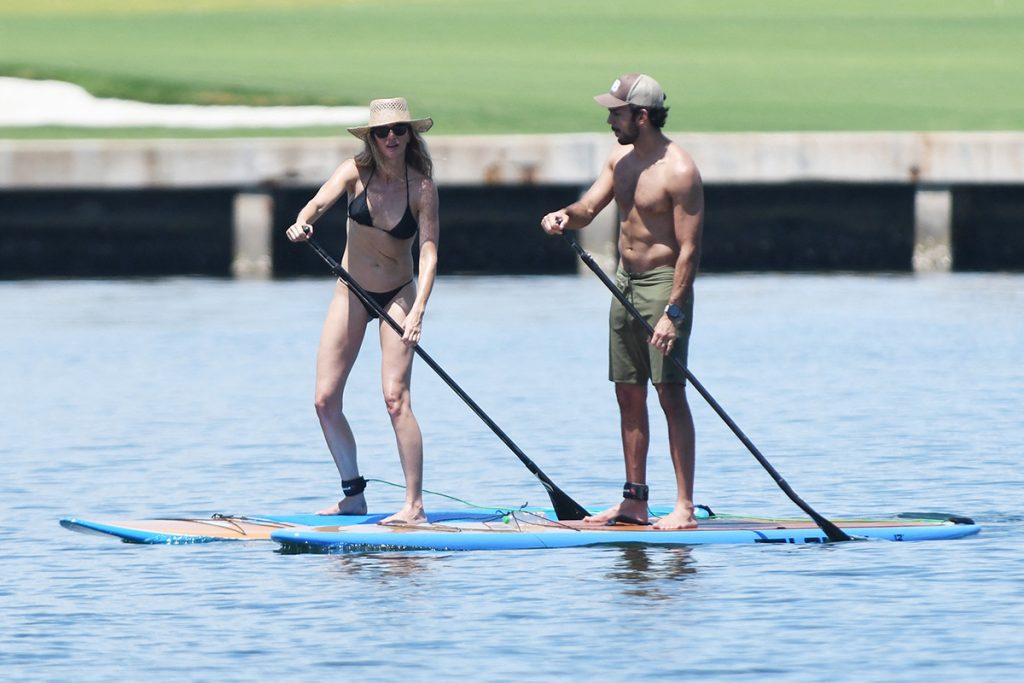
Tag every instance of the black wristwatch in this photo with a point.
(674, 312)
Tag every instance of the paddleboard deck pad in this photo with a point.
(527, 531)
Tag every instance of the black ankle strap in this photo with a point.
(633, 491)
(353, 487)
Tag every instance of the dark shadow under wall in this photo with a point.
(115, 233)
(988, 228)
(808, 227)
(796, 227)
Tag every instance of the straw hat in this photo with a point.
(388, 112)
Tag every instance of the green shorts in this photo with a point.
(631, 358)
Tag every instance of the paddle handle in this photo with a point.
(833, 532)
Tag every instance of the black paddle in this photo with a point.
(565, 507)
(833, 532)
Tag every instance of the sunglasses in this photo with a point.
(399, 130)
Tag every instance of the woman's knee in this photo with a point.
(397, 400)
(327, 403)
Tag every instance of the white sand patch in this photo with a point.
(55, 103)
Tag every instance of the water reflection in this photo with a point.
(648, 572)
(383, 566)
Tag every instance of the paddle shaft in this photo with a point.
(565, 507)
(833, 532)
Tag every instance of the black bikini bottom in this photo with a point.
(382, 299)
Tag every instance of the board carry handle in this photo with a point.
(565, 507)
(833, 532)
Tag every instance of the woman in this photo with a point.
(392, 196)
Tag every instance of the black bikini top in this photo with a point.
(359, 211)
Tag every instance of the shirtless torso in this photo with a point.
(660, 199)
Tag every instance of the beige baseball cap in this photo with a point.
(637, 89)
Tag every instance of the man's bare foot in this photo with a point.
(351, 505)
(627, 512)
(407, 516)
(679, 518)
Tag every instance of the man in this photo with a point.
(658, 190)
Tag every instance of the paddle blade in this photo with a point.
(565, 507)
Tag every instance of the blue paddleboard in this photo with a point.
(521, 531)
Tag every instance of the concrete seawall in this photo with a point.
(934, 192)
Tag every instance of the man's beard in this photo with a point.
(626, 136)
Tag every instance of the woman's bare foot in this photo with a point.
(626, 512)
(679, 518)
(350, 505)
(407, 516)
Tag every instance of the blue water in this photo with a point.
(871, 395)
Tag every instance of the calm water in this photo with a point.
(872, 396)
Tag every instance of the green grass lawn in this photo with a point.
(531, 66)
